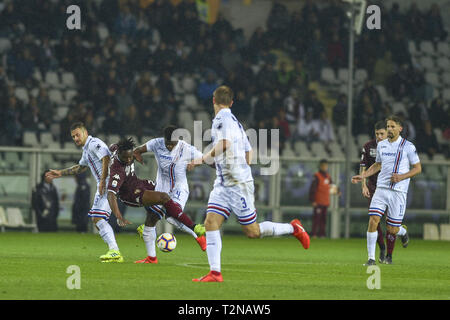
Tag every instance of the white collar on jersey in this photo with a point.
(88, 140)
(222, 111)
(399, 139)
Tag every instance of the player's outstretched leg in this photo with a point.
(106, 232)
(173, 209)
(269, 228)
(201, 240)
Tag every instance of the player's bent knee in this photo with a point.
(164, 197)
(213, 222)
(391, 229)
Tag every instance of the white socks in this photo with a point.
(371, 244)
(106, 232)
(268, 228)
(213, 249)
(149, 236)
(181, 226)
(401, 231)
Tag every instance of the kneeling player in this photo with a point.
(124, 183)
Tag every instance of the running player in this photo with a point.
(96, 156)
(369, 153)
(395, 156)
(124, 183)
(234, 189)
(172, 156)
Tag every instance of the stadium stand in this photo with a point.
(82, 73)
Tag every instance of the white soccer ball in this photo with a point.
(166, 242)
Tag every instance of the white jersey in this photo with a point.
(172, 164)
(231, 166)
(395, 157)
(94, 150)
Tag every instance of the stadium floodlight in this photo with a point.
(360, 6)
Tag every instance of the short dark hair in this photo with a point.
(223, 95)
(77, 125)
(380, 125)
(168, 131)
(396, 119)
(322, 161)
(125, 144)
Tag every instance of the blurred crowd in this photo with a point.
(124, 45)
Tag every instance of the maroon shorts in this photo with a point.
(133, 198)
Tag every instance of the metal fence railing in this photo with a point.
(279, 197)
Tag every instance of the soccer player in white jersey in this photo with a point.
(96, 157)
(395, 157)
(172, 156)
(234, 189)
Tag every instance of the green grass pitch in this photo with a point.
(33, 266)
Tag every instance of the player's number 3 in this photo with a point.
(244, 204)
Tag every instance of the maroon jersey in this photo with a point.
(125, 184)
(369, 153)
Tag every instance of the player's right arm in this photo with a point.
(364, 188)
(73, 170)
(369, 172)
(362, 169)
(116, 179)
(112, 200)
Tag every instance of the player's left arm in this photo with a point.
(248, 156)
(248, 150)
(137, 152)
(221, 146)
(415, 163)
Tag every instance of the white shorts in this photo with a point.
(238, 199)
(178, 196)
(100, 208)
(394, 201)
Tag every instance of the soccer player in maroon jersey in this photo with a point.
(135, 192)
(369, 153)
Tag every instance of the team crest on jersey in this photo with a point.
(137, 191)
(373, 152)
(326, 181)
(219, 126)
(98, 147)
(114, 183)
